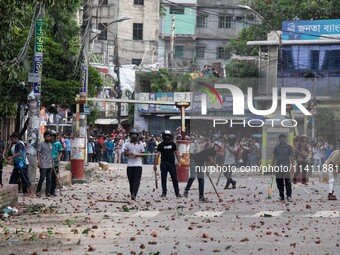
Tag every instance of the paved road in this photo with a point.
(85, 220)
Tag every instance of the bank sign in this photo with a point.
(311, 29)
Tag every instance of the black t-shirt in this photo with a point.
(202, 157)
(167, 151)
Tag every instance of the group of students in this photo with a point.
(167, 155)
(284, 155)
(49, 154)
(135, 151)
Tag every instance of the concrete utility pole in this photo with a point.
(33, 99)
(280, 51)
(78, 143)
(172, 42)
(118, 88)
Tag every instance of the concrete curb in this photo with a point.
(9, 192)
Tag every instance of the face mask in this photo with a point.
(167, 139)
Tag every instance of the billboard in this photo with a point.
(311, 29)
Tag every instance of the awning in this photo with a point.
(108, 121)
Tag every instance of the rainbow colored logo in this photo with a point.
(211, 92)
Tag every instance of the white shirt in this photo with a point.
(135, 149)
(230, 157)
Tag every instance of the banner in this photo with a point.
(310, 29)
(38, 54)
(83, 81)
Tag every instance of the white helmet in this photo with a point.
(166, 132)
(218, 143)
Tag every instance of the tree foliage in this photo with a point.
(62, 44)
(241, 70)
(164, 81)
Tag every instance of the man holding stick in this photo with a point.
(199, 160)
(168, 150)
(133, 152)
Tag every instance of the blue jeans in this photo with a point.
(67, 155)
(110, 156)
(45, 173)
(252, 160)
(193, 175)
(317, 164)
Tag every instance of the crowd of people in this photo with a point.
(212, 148)
(206, 71)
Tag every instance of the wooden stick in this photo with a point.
(146, 154)
(113, 201)
(156, 181)
(58, 180)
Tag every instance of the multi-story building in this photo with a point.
(136, 36)
(198, 31)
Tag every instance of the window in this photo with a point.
(137, 31)
(286, 61)
(331, 60)
(136, 61)
(225, 22)
(176, 10)
(103, 33)
(138, 2)
(221, 53)
(314, 59)
(200, 53)
(179, 51)
(202, 21)
(103, 2)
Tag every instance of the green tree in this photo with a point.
(164, 81)
(62, 44)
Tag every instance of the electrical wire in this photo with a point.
(23, 52)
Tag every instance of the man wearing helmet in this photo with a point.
(230, 160)
(132, 151)
(168, 150)
(200, 159)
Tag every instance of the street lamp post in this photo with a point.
(278, 35)
(116, 62)
(79, 144)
